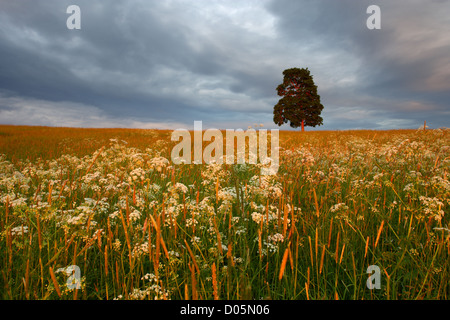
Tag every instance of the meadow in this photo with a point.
(111, 202)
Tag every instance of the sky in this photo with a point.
(165, 64)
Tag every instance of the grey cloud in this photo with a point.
(180, 61)
(407, 60)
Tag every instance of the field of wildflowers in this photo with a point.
(111, 203)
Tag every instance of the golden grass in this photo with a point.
(341, 201)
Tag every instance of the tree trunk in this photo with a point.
(303, 125)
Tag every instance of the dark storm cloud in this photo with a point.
(134, 59)
(403, 70)
(144, 63)
(99, 68)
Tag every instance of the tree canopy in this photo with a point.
(300, 104)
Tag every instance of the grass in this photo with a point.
(110, 202)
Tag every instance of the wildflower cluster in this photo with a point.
(140, 227)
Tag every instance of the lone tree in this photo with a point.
(300, 104)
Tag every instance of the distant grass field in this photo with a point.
(111, 202)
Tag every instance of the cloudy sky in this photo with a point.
(164, 64)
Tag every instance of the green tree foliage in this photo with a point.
(300, 104)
